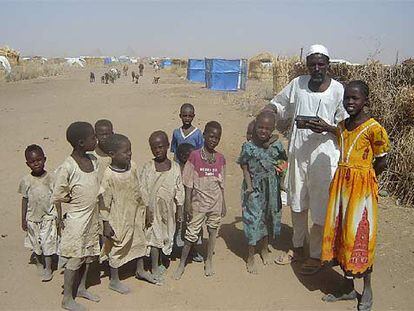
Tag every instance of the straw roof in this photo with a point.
(263, 57)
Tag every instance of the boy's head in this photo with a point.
(183, 152)
(212, 135)
(250, 130)
(264, 126)
(118, 147)
(81, 136)
(103, 129)
(35, 159)
(187, 113)
(159, 145)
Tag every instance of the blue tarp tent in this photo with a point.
(196, 70)
(166, 63)
(107, 60)
(226, 75)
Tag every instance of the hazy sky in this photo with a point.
(352, 30)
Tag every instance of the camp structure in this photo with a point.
(196, 70)
(75, 61)
(166, 62)
(261, 66)
(93, 61)
(225, 74)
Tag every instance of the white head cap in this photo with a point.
(317, 49)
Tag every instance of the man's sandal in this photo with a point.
(286, 258)
(365, 306)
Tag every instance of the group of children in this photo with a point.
(98, 195)
(98, 204)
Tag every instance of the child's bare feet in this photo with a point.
(72, 305)
(332, 298)
(208, 268)
(117, 286)
(47, 276)
(178, 273)
(82, 292)
(251, 265)
(264, 254)
(146, 276)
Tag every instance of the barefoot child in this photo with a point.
(187, 133)
(163, 194)
(261, 200)
(349, 237)
(77, 184)
(103, 130)
(183, 153)
(203, 178)
(123, 212)
(38, 214)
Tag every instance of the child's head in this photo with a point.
(35, 159)
(159, 144)
(187, 113)
(250, 130)
(355, 97)
(118, 147)
(264, 126)
(183, 152)
(103, 129)
(212, 135)
(81, 136)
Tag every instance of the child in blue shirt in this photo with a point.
(187, 133)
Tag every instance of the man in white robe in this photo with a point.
(312, 157)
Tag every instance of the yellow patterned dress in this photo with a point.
(349, 236)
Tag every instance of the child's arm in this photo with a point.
(59, 222)
(247, 178)
(24, 213)
(187, 203)
(108, 231)
(224, 207)
(380, 164)
(272, 139)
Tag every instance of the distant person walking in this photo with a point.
(141, 69)
(312, 158)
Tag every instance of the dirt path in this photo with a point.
(39, 111)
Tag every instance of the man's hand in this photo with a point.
(108, 231)
(320, 126)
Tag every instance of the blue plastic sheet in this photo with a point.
(226, 75)
(196, 70)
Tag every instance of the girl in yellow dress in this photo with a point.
(349, 237)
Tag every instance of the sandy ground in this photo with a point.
(38, 111)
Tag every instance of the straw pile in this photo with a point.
(261, 66)
(392, 104)
(13, 56)
(179, 63)
(283, 69)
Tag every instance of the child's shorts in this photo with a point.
(73, 263)
(194, 226)
(42, 237)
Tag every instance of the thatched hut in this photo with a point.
(13, 56)
(261, 66)
(93, 61)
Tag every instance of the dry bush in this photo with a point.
(32, 70)
(179, 71)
